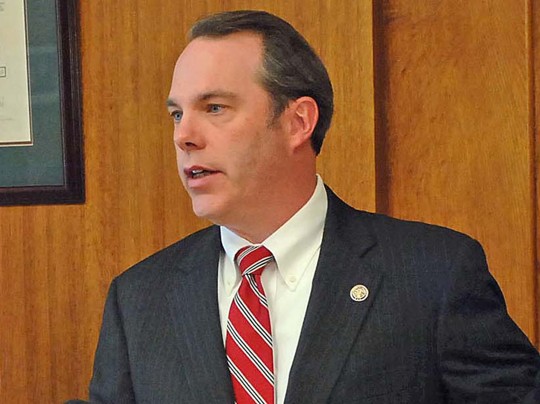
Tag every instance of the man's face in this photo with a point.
(228, 151)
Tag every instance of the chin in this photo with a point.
(208, 211)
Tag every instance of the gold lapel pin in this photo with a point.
(359, 293)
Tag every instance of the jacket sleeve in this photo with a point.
(483, 356)
(111, 379)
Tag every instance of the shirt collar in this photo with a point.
(295, 243)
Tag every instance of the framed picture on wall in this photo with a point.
(41, 153)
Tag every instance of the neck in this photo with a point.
(256, 226)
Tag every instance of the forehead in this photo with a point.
(224, 63)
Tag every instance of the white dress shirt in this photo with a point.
(287, 281)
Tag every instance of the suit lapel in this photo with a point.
(333, 319)
(193, 304)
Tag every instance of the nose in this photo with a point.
(187, 137)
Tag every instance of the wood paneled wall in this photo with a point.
(448, 140)
(534, 119)
(455, 129)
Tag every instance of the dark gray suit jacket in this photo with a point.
(434, 328)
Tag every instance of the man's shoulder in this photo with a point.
(401, 246)
(413, 229)
(172, 257)
(394, 230)
(430, 256)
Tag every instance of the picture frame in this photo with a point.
(49, 170)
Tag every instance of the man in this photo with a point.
(340, 306)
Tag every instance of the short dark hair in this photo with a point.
(291, 69)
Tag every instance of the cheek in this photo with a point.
(178, 158)
(177, 150)
(263, 161)
(251, 150)
(180, 164)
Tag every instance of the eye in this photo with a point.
(176, 115)
(215, 108)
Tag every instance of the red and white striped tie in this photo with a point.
(249, 336)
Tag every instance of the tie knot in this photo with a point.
(252, 259)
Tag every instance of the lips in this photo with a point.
(198, 172)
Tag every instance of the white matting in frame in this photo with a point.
(15, 107)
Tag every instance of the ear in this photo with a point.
(304, 115)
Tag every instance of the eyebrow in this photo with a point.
(170, 103)
(205, 97)
(216, 94)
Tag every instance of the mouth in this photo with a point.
(196, 172)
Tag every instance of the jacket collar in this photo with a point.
(193, 304)
(333, 319)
